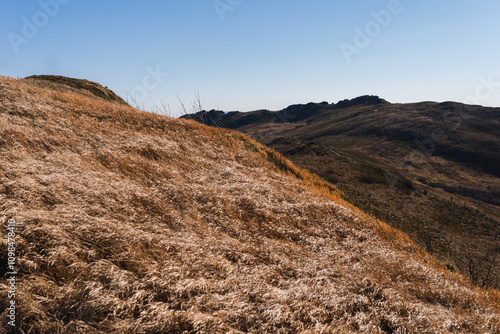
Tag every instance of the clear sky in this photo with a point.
(255, 54)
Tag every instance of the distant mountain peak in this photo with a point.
(361, 100)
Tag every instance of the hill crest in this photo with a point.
(81, 86)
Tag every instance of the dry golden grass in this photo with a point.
(131, 222)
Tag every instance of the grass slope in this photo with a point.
(130, 222)
(430, 169)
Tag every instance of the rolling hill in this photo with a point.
(132, 222)
(430, 169)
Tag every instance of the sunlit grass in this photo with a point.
(131, 222)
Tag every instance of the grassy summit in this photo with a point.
(77, 85)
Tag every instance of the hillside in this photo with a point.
(429, 169)
(131, 222)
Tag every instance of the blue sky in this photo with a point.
(253, 54)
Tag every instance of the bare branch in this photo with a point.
(163, 108)
(182, 107)
(134, 103)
